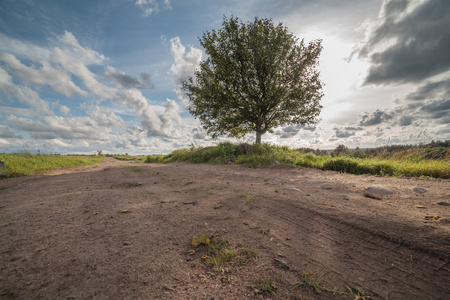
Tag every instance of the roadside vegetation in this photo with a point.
(20, 164)
(139, 158)
(430, 160)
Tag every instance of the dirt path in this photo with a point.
(63, 236)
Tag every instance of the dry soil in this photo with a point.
(123, 230)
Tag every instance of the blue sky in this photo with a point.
(80, 76)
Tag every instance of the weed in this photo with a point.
(218, 253)
(355, 290)
(315, 284)
(248, 251)
(263, 286)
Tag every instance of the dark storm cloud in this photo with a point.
(127, 81)
(431, 90)
(438, 111)
(437, 106)
(421, 45)
(374, 118)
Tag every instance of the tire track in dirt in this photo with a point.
(65, 238)
(365, 252)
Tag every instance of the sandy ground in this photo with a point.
(63, 235)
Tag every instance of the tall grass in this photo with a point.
(28, 164)
(257, 155)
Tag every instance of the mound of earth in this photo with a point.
(125, 230)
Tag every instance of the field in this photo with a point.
(20, 164)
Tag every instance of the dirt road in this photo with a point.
(123, 230)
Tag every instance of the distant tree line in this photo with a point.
(432, 150)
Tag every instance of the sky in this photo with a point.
(82, 76)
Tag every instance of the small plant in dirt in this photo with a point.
(359, 295)
(263, 286)
(315, 284)
(219, 255)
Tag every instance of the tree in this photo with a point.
(257, 76)
(340, 151)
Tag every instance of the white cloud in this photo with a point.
(57, 78)
(22, 50)
(4, 144)
(52, 127)
(152, 6)
(67, 59)
(64, 110)
(184, 65)
(106, 118)
(6, 110)
(22, 93)
(81, 54)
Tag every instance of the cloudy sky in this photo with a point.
(80, 76)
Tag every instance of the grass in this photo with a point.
(28, 164)
(216, 253)
(263, 286)
(139, 158)
(315, 284)
(263, 154)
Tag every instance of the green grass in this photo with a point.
(258, 155)
(140, 158)
(315, 284)
(216, 253)
(27, 164)
(263, 286)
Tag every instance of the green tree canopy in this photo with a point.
(257, 76)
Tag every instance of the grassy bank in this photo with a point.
(139, 158)
(28, 164)
(257, 155)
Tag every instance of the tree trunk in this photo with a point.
(258, 137)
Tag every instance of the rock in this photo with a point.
(327, 186)
(443, 203)
(444, 221)
(218, 205)
(315, 181)
(372, 196)
(379, 189)
(291, 188)
(418, 190)
(282, 263)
